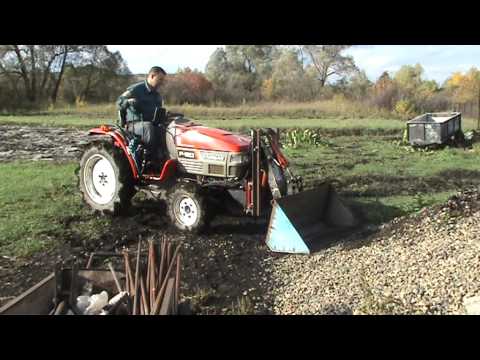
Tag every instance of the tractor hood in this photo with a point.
(205, 138)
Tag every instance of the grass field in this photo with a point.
(326, 114)
(36, 200)
(388, 178)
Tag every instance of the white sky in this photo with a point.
(439, 61)
(140, 58)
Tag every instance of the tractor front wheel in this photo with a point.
(187, 207)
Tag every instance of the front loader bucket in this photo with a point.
(300, 223)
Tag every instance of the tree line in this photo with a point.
(32, 75)
(35, 75)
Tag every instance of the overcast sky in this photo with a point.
(439, 61)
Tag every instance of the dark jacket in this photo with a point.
(147, 101)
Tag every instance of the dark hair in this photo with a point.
(157, 70)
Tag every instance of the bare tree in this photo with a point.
(328, 60)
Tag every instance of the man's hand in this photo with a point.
(132, 102)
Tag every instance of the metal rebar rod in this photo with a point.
(162, 264)
(90, 260)
(169, 253)
(117, 283)
(149, 254)
(156, 306)
(153, 278)
(146, 310)
(137, 274)
(130, 288)
(127, 277)
(177, 283)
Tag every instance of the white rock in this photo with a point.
(472, 305)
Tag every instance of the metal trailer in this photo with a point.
(434, 128)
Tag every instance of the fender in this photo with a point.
(119, 141)
(167, 171)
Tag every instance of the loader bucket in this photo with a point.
(302, 222)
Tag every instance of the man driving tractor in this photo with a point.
(141, 111)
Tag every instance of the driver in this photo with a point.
(141, 108)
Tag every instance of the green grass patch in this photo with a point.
(385, 178)
(322, 114)
(82, 121)
(36, 200)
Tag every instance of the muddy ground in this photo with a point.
(40, 143)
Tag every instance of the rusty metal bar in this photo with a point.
(117, 283)
(167, 302)
(146, 310)
(153, 278)
(127, 277)
(169, 253)
(90, 260)
(137, 273)
(147, 280)
(130, 288)
(162, 289)
(177, 282)
(162, 263)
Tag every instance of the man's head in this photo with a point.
(156, 77)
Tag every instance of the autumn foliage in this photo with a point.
(188, 87)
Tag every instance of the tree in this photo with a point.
(188, 86)
(95, 74)
(288, 77)
(238, 71)
(409, 78)
(465, 88)
(40, 67)
(359, 85)
(329, 61)
(384, 92)
(218, 67)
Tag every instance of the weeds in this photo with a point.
(243, 306)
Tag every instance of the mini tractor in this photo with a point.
(208, 171)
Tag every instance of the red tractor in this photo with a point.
(209, 171)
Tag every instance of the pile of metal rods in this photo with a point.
(154, 287)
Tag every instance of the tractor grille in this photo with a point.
(192, 166)
(216, 169)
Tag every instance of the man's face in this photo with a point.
(156, 80)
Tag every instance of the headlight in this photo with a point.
(213, 156)
(239, 158)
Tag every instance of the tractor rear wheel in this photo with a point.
(187, 207)
(105, 178)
